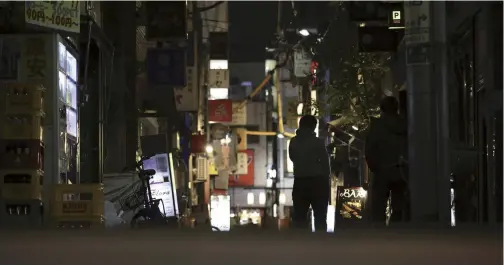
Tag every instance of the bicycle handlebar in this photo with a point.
(140, 162)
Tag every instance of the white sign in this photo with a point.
(242, 163)
(187, 98)
(396, 15)
(60, 15)
(218, 78)
(163, 191)
(220, 212)
(417, 22)
(239, 116)
(302, 63)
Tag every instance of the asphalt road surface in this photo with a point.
(159, 246)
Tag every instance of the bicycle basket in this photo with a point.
(132, 201)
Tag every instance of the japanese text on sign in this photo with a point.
(61, 15)
(35, 58)
(417, 22)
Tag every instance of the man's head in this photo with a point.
(308, 122)
(389, 105)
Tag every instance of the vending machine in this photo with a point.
(38, 123)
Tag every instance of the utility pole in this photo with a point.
(279, 140)
(443, 116)
(426, 59)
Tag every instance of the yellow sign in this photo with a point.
(74, 207)
(59, 15)
(212, 170)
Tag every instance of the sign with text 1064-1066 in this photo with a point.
(59, 15)
(350, 203)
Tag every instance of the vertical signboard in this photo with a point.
(220, 110)
(302, 63)
(244, 180)
(166, 67)
(186, 97)
(218, 78)
(59, 15)
(417, 32)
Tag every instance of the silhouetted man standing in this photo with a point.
(311, 175)
(386, 147)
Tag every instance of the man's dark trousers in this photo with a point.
(379, 196)
(312, 191)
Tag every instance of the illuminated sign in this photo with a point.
(60, 15)
(220, 212)
(353, 193)
(350, 203)
(396, 16)
(163, 191)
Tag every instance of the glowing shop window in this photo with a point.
(290, 165)
(281, 198)
(269, 183)
(219, 93)
(262, 198)
(299, 109)
(250, 198)
(269, 65)
(218, 64)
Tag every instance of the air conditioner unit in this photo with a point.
(202, 168)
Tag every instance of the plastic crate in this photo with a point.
(23, 126)
(77, 201)
(21, 213)
(23, 98)
(21, 154)
(21, 184)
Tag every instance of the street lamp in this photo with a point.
(209, 149)
(355, 128)
(304, 32)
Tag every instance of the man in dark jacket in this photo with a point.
(386, 148)
(311, 175)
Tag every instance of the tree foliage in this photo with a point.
(355, 78)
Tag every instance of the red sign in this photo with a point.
(220, 110)
(247, 179)
(198, 143)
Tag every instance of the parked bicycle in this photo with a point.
(141, 199)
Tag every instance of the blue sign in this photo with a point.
(166, 67)
(10, 54)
